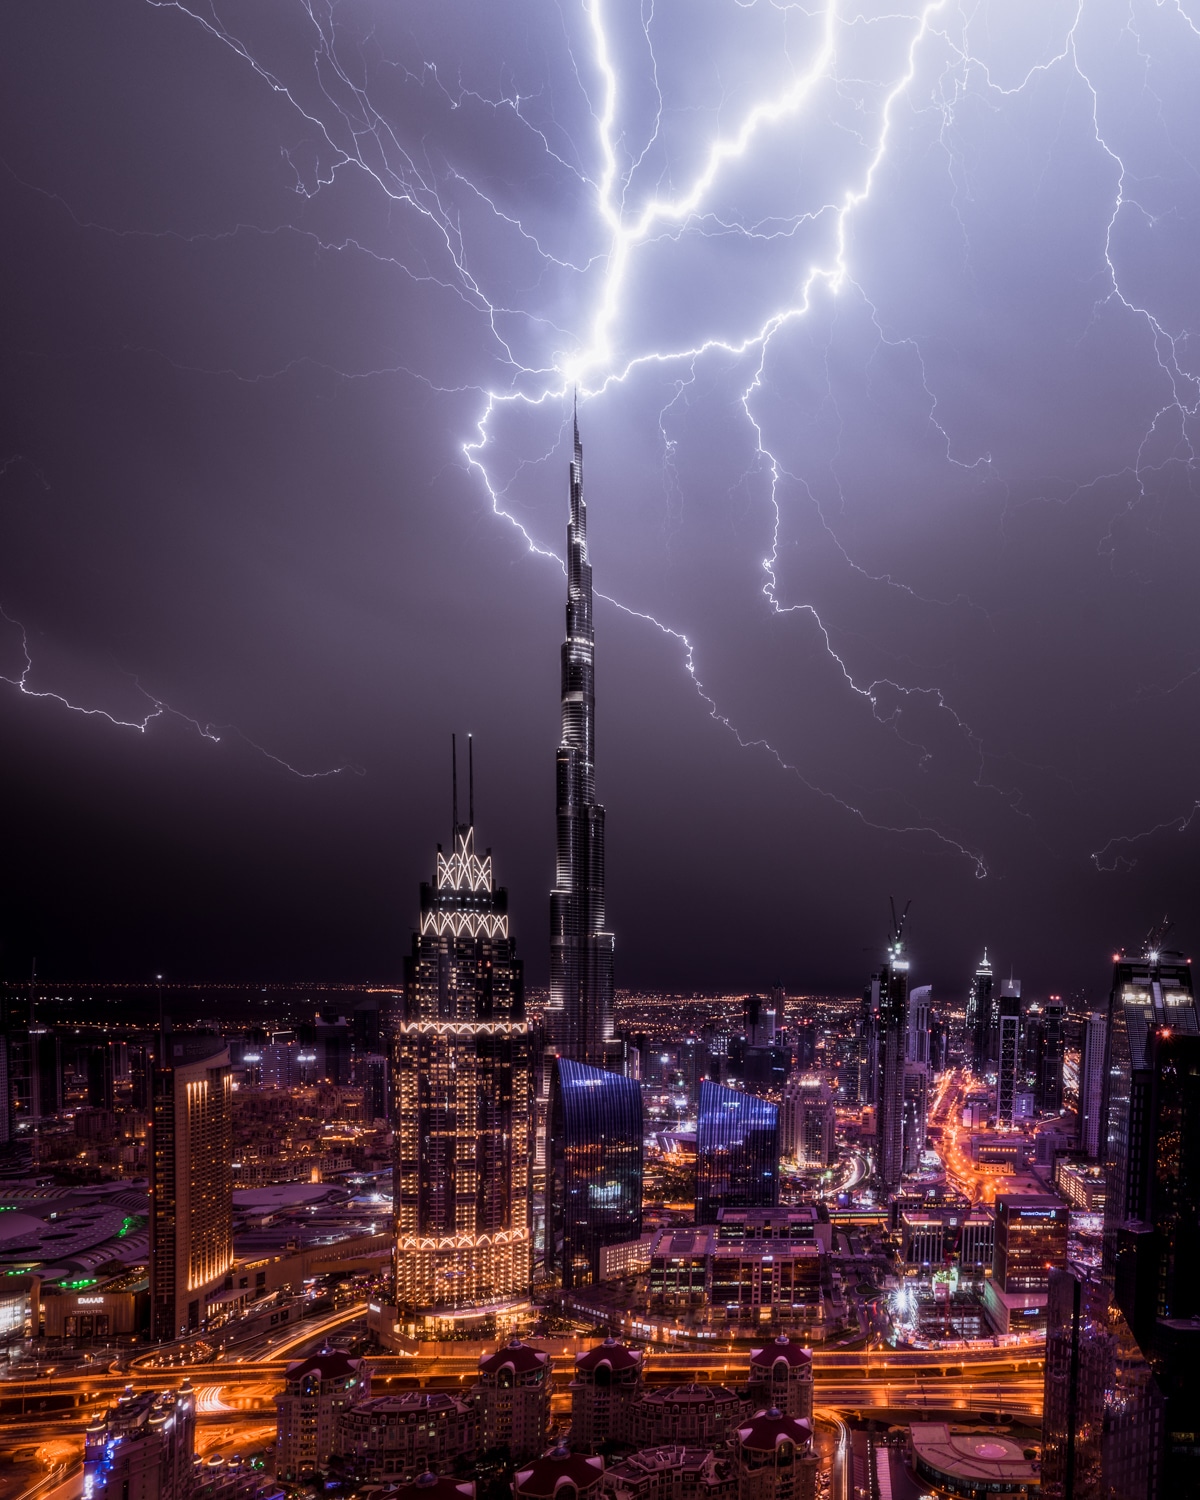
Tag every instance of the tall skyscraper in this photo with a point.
(807, 1123)
(916, 1111)
(916, 1075)
(1008, 1049)
(1152, 1213)
(979, 1017)
(579, 1013)
(889, 989)
(1091, 1085)
(1149, 994)
(462, 1080)
(920, 1003)
(594, 1177)
(1102, 1421)
(737, 1152)
(191, 1181)
(1048, 1079)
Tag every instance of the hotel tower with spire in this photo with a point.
(463, 1090)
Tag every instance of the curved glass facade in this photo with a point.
(737, 1152)
(594, 1186)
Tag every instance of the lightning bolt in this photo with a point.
(158, 708)
(930, 68)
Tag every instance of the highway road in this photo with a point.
(251, 1384)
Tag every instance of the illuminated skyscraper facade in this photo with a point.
(979, 1017)
(1008, 1049)
(191, 1182)
(579, 1013)
(463, 1099)
(890, 1004)
(737, 1152)
(594, 1181)
(1091, 1085)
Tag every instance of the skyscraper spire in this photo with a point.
(580, 1012)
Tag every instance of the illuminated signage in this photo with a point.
(89, 1301)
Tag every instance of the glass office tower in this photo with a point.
(594, 1182)
(1102, 1422)
(737, 1152)
(890, 992)
(1149, 994)
(462, 1080)
(1008, 1049)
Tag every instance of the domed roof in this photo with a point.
(436, 1487)
(793, 1355)
(329, 1364)
(611, 1352)
(523, 1358)
(767, 1429)
(546, 1475)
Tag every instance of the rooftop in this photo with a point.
(782, 1349)
(329, 1364)
(611, 1352)
(958, 1454)
(523, 1358)
(767, 1429)
(545, 1476)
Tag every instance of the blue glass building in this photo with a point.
(594, 1185)
(737, 1152)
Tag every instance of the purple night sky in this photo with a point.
(882, 321)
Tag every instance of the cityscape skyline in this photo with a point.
(813, 1113)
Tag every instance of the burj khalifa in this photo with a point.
(579, 1015)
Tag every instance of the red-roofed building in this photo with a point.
(404, 1435)
(671, 1473)
(315, 1391)
(781, 1376)
(775, 1458)
(434, 1487)
(512, 1396)
(559, 1475)
(608, 1380)
(703, 1415)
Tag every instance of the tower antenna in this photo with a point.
(454, 787)
(471, 779)
(1154, 938)
(898, 927)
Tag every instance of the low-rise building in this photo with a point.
(608, 1379)
(971, 1463)
(434, 1487)
(404, 1436)
(512, 1398)
(755, 1279)
(691, 1415)
(626, 1258)
(781, 1376)
(672, 1473)
(315, 1393)
(559, 1475)
(775, 1458)
(1082, 1184)
(977, 1242)
(923, 1239)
